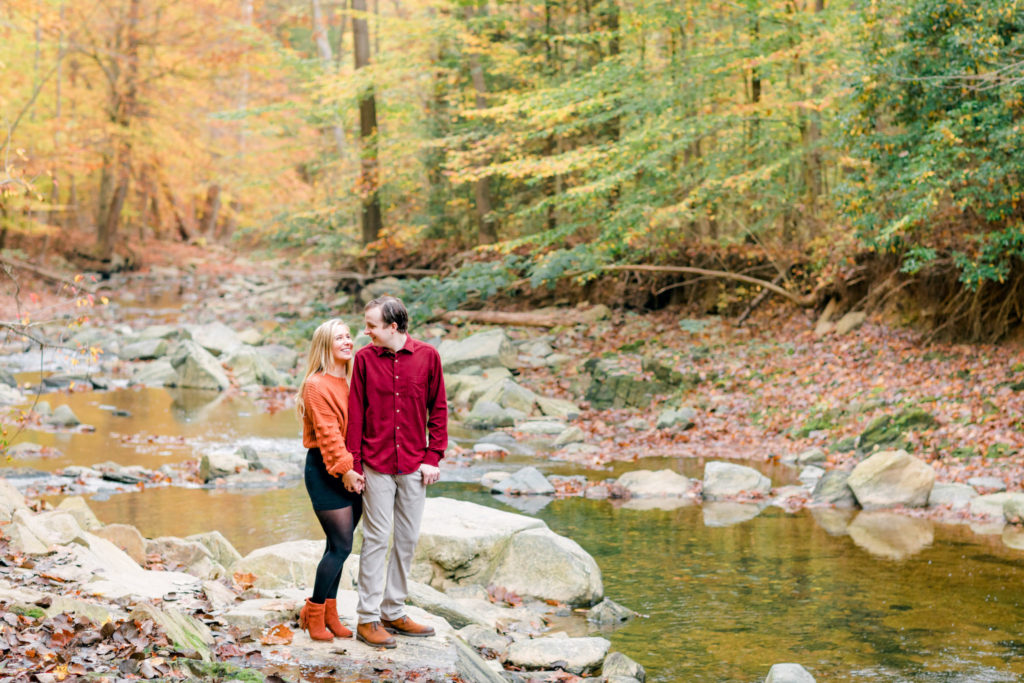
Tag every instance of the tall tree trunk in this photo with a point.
(487, 229)
(211, 211)
(123, 100)
(369, 178)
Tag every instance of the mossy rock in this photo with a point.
(845, 445)
(888, 431)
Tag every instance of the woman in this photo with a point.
(332, 484)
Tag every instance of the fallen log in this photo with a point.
(801, 301)
(523, 318)
(46, 274)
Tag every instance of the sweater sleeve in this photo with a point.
(329, 429)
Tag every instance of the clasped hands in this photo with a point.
(353, 481)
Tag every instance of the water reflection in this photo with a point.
(891, 535)
(152, 427)
(729, 588)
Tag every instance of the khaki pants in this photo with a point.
(390, 501)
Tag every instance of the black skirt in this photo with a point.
(326, 492)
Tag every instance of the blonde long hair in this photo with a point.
(321, 358)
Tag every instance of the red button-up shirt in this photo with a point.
(397, 410)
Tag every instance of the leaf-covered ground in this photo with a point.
(773, 388)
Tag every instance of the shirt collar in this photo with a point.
(409, 347)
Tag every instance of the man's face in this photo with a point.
(379, 333)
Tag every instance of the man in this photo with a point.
(397, 433)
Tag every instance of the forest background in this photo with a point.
(645, 152)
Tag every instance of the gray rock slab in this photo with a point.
(726, 479)
(488, 415)
(252, 368)
(988, 484)
(257, 614)
(220, 547)
(955, 495)
(145, 349)
(526, 482)
(575, 655)
(483, 638)
(608, 612)
(79, 509)
(127, 538)
(618, 664)
(539, 563)
(155, 374)
(660, 483)
(990, 505)
(63, 416)
(571, 434)
(289, 564)
(486, 349)
(215, 337)
(789, 673)
(436, 602)
(832, 489)
(891, 478)
(681, 419)
(812, 456)
(557, 407)
(196, 368)
(541, 427)
(11, 499)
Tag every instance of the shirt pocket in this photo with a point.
(417, 387)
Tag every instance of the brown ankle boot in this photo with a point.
(311, 618)
(374, 635)
(331, 620)
(404, 626)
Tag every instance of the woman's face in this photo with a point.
(341, 345)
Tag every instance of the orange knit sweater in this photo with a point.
(325, 420)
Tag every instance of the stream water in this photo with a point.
(900, 600)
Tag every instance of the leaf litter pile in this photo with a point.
(773, 389)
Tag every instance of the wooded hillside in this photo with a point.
(854, 150)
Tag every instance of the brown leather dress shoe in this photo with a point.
(373, 635)
(404, 626)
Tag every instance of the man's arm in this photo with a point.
(356, 412)
(437, 413)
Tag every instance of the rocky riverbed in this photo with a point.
(83, 597)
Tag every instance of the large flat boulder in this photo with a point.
(252, 369)
(464, 543)
(575, 655)
(195, 368)
(726, 480)
(288, 564)
(661, 483)
(215, 337)
(891, 478)
(507, 394)
(11, 499)
(542, 564)
(485, 349)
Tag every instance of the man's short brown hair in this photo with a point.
(392, 310)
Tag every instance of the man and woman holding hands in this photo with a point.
(376, 426)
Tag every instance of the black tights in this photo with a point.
(338, 525)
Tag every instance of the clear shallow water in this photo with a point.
(889, 598)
